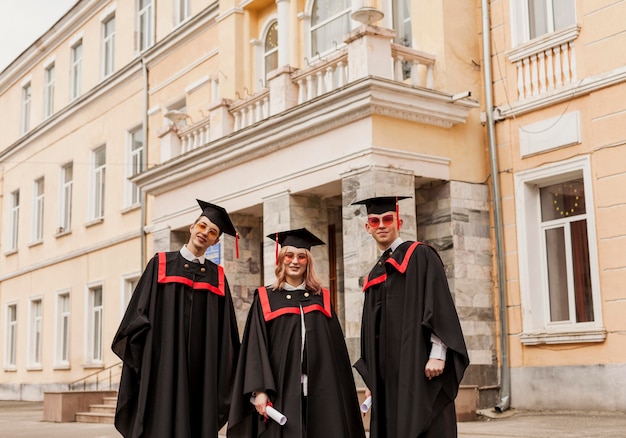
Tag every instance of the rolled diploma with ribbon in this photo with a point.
(367, 404)
(273, 414)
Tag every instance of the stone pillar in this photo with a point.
(369, 52)
(162, 240)
(221, 122)
(283, 92)
(359, 249)
(284, 38)
(169, 142)
(285, 211)
(453, 216)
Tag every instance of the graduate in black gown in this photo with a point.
(413, 355)
(179, 341)
(294, 357)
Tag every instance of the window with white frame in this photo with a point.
(76, 70)
(14, 220)
(62, 338)
(26, 100)
(94, 324)
(108, 46)
(181, 11)
(534, 18)
(10, 341)
(128, 287)
(558, 260)
(136, 164)
(35, 333)
(402, 22)
(48, 93)
(145, 24)
(98, 183)
(270, 50)
(330, 21)
(38, 204)
(65, 197)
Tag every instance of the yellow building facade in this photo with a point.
(285, 112)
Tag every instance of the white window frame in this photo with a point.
(10, 337)
(309, 29)
(63, 329)
(520, 20)
(76, 69)
(536, 325)
(14, 220)
(94, 324)
(66, 187)
(98, 183)
(35, 333)
(27, 92)
(129, 283)
(182, 11)
(38, 210)
(48, 96)
(136, 164)
(108, 46)
(145, 25)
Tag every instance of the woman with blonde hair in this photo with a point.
(293, 356)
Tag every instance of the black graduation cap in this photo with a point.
(300, 238)
(218, 216)
(381, 204)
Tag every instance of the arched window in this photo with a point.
(270, 49)
(330, 21)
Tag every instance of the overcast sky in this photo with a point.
(22, 22)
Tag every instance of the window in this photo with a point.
(181, 11)
(34, 353)
(98, 182)
(135, 166)
(38, 204)
(48, 97)
(62, 355)
(94, 321)
(534, 18)
(76, 70)
(14, 220)
(270, 49)
(330, 21)
(65, 197)
(108, 46)
(558, 259)
(402, 22)
(145, 24)
(26, 97)
(128, 287)
(10, 351)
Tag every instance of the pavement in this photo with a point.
(24, 420)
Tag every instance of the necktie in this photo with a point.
(196, 261)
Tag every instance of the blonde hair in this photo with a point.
(311, 281)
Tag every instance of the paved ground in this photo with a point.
(24, 420)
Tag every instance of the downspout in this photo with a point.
(143, 196)
(505, 372)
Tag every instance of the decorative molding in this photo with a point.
(564, 337)
(546, 42)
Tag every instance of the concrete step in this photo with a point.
(103, 408)
(109, 400)
(95, 417)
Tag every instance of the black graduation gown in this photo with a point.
(179, 344)
(270, 361)
(407, 299)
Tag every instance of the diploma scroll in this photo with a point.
(273, 414)
(366, 405)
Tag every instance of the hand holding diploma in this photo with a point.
(271, 412)
(367, 404)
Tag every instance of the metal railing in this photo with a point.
(101, 377)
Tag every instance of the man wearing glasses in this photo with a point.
(179, 341)
(413, 355)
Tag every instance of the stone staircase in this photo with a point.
(99, 413)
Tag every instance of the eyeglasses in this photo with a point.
(374, 221)
(204, 228)
(289, 256)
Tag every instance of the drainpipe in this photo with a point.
(143, 197)
(505, 372)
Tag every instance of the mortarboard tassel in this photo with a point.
(237, 244)
(397, 214)
(276, 246)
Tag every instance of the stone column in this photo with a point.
(284, 38)
(369, 52)
(360, 250)
(162, 240)
(285, 211)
